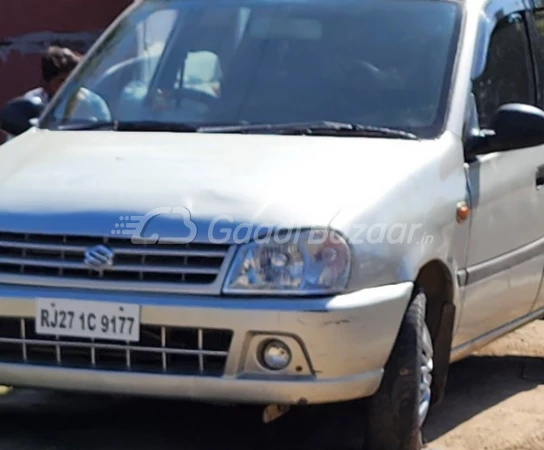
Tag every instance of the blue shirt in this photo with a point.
(85, 106)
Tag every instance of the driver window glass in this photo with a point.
(539, 50)
(508, 75)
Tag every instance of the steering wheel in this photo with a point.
(197, 96)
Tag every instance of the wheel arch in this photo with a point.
(436, 281)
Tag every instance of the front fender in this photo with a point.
(412, 224)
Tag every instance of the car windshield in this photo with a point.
(377, 63)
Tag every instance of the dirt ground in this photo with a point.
(495, 401)
(496, 398)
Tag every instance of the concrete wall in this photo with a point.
(27, 27)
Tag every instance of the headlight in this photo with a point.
(302, 263)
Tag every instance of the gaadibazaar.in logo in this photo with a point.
(135, 226)
(222, 230)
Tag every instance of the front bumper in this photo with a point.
(340, 345)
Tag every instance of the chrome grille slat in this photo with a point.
(127, 356)
(163, 346)
(161, 349)
(118, 250)
(43, 247)
(116, 268)
(158, 252)
(93, 354)
(120, 347)
(57, 350)
(45, 259)
(200, 350)
(22, 324)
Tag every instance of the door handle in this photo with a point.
(539, 177)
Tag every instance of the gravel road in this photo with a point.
(495, 401)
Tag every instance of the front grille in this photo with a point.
(161, 349)
(57, 257)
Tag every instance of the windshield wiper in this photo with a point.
(323, 128)
(130, 126)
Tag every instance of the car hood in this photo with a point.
(84, 182)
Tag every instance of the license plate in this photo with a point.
(87, 319)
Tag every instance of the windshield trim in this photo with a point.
(445, 107)
(454, 69)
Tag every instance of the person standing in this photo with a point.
(56, 64)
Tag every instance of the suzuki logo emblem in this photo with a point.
(99, 257)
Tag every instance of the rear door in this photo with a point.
(536, 24)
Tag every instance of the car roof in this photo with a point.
(480, 5)
(472, 6)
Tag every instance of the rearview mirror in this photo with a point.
(17, 115)
(514, 126)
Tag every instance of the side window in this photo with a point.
(508, 75)
(539, 50)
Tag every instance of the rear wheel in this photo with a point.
(398, 410)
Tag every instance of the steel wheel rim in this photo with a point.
(426, 364)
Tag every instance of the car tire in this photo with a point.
(394, 418)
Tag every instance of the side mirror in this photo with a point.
(17, 115)
(514, 126)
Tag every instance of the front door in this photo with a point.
(505, 257)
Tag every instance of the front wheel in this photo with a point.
(399, 408)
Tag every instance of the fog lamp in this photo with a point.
(275, 355)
